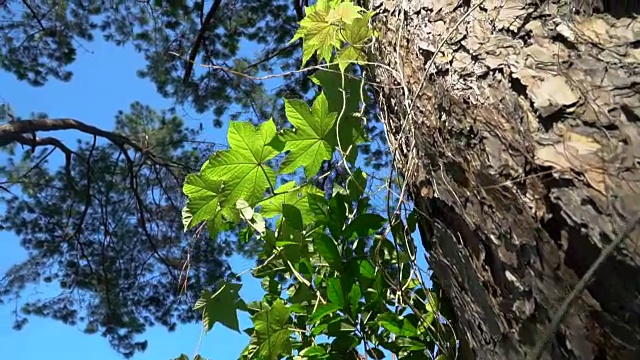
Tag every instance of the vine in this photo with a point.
(336, 285)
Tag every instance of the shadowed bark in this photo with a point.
(519, 139)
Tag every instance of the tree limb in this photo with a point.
(14, 132)
(35, 14)
(199, 38)
(34, 142)
(579, 288)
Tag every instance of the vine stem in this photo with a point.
(582, 284)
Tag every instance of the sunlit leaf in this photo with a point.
(243, 169)
(345, 12)
(203, 199)
(313, 140)
(290, 194)
(322, 311)
(318, 33)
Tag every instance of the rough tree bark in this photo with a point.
(519, 139)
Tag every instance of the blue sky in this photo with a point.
(104, 82)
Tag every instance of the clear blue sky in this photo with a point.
(104, 82)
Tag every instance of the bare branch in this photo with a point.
(35, 15)
(49, 141)
(206, 24)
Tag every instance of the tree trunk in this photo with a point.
(519, 141)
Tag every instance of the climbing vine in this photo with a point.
(339, 278)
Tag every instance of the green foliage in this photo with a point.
(41, 40)
(221, 306)
(327, 265)
(243, 169)
(313, 140)
(271, 333)
(323, 26)
(185, 357)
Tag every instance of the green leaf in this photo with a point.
(357, 184)
(300, 294)
(327, 248)
(313, 351)
(319, 329)
(354, 298)
(319, 206)
(367, 270)
(340, 327)
(351, 130)
(272, 334)
(312, 141)
(342, 344)
(322, 311)
(410, 344)
(317, 32)
(293, 243)
(291, 194)
(203, 199)
(338, 210)
(243, 168)
(331, 82)
(396, 325)
(345, 12)
(292, 216)
(358, 35)
(364, 225)
(412, 220)
(271, 286)
(221, 306)
(217, 225)
(334, 292)
(349, 55)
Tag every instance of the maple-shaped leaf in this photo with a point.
(351, 129)
(243, 169)
(317, 32)
(330, 80)
(345, 12)
(313, 139)
(272, 332)
(203, 199)
(290, 194)
(356, 36)
(221, 306)
(203, 203)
